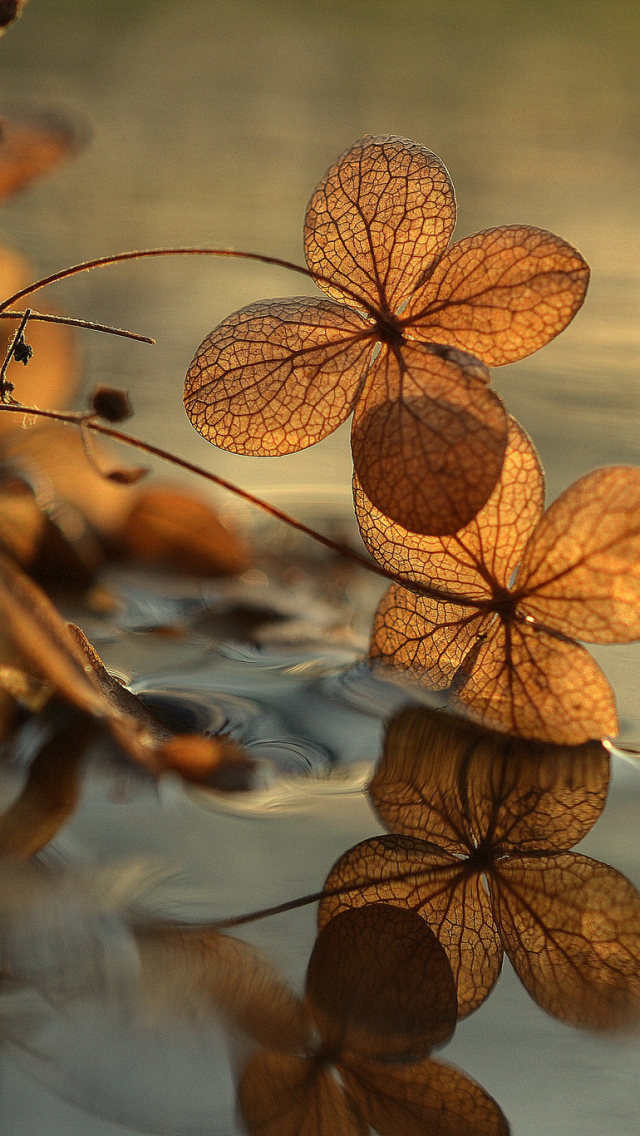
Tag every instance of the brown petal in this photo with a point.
(528, 682)
(280, 1095)
(431, 1098)
(277, 376)
(419, 788)
(187, 974)
(419, 877)
(31, 143)
(380, 985)
(581, 569)
(428, 437)
(49, 795)
(500, 294)
(489, 547)
(460, 786)
(381, 215)
(571, 928)
(526, 795)
(427, 640)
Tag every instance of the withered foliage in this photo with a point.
(98, 515)
(505, 646)
(33, 143)
(44, 658)
(379, 997)
(482, 826)
(428, 434)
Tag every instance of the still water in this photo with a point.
(212, 123)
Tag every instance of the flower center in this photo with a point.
(504, 603)
(388, 330)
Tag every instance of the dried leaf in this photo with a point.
(27, 532)
(581, 569)
(278, 375)
(571, 928)
(214, 973)
(215, 761)
(431, 1098)
(379, 985)
(25, 689)
(421, 878)
(47, 649)
(170, 527)
(49, 795)
(31, 143)
(53, 459)
(381, 215)
(501, 294)
(117, 696)
(280, 1095)
(428, 437)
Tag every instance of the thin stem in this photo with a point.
(140, 254)
(265, 912)
(45, 317)
(5, 387)
(76, 419)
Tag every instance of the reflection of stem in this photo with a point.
(47, 317)
(6, 387)
(89, 423)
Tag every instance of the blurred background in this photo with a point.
(212, 123)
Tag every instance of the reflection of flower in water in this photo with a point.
(428, 435)
(483, 825)
(380, 996)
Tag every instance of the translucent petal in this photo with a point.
(500, 294)
(379, 985)
(488, 547)
(281, 1095)
(431, 1098)
(581, 569)
(423, 637)
(432, 883)
(428, 437)
(571, 928)
(539, 685)
(381, 215)
(278, 375)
